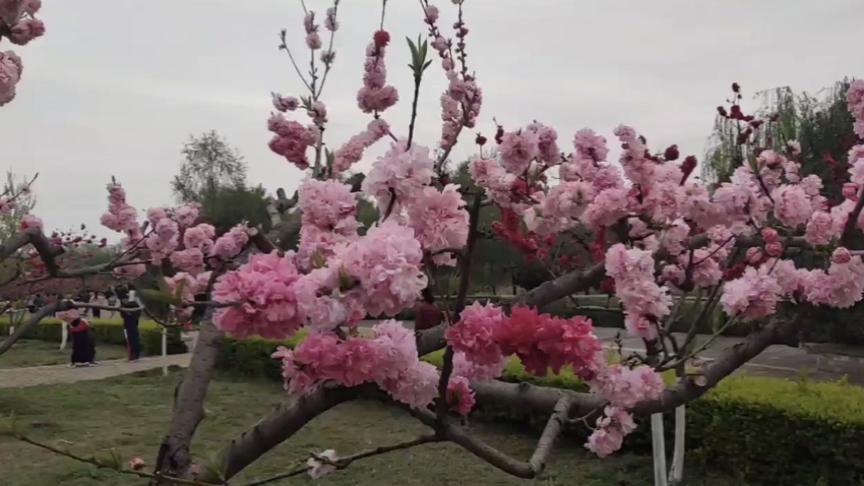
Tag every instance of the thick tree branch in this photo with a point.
(543, 399)
(174, 455)
(550, 435)
(276, 427)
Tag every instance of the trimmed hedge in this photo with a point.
(767, 430)
(109, 332)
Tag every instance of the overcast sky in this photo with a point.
(116, 86)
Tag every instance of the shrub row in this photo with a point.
(108, 332)
(767, 430)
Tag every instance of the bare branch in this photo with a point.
(95, 462)
(344, 462)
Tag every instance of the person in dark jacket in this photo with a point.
(427, 314)
(131, 318)
(83, 347)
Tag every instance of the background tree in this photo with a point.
(210, 164)
(214, 175)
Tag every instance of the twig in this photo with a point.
(346, 461)
(101, 465)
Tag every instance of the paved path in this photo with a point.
(50, 375)
(783, 361)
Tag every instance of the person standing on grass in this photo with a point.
(83, 346)
(130, 324)
(98, 299)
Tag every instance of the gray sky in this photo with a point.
(116, 86)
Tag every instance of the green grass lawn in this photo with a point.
(129, 414)
(32, 352)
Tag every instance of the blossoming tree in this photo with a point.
(657, 236)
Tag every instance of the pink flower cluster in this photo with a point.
(19, 24)
(231, 243)
(10, 73)
(350, 153)
(121, 217)
(855, 98)
(752, 296)
(376, 95)
(545, 342)
(440, 221)
(266, 302)
(612, 427)
(623, 388)
(18, 16)
(644, 302)
(474, 334)
(389, 360)
(386, 263)
(328, 215)
(291, 139)
(399, 172)
(462, 100)
(185, 287)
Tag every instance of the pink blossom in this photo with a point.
(352, 151)
(375, 95)
(474, 334)
(291, 140)
(417, 387)
(231, 243)
(200, 236)
(562, 207)
(319, 468)
(186, 215)
(462, 366)
(792, 206)
(330, 22)
(328, 204)
(625, 387)
(752, 296)
(190, 260)
(611, 429)
(547, 145)
(285, 103)
(589, 146)
(607, 208)
(440, 221)
(319, 300)
(545, 342)
(517, 150)
(313, 41)
(263, 287)
(318, 245)
(460, 396)
(26, 30)
(643, 300)
(404, 172)
(387, 264)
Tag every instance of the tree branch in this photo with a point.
(33, 321)
(94, 462)
(344, 462)
(276, 427)
(174, 455)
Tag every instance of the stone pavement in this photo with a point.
(50, 375)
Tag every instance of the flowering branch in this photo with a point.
(344, 462)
